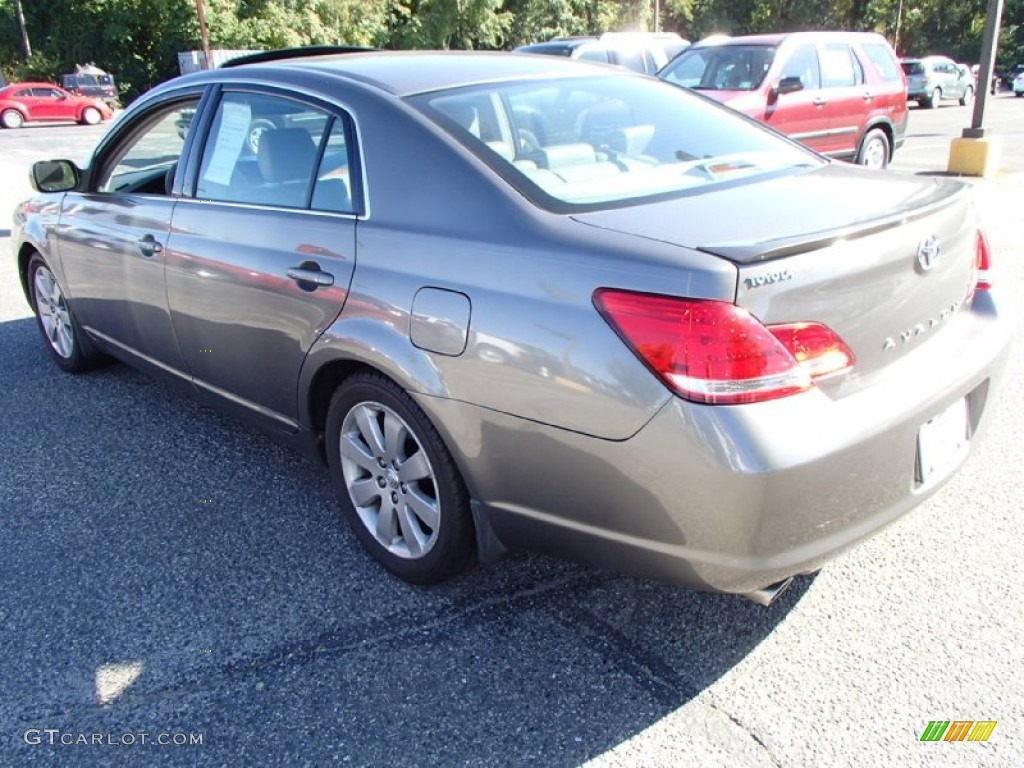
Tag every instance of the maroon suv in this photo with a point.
(841, 93)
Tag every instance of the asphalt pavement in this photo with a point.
(180, 590)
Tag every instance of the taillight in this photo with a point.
(983, 262)
(718, 353)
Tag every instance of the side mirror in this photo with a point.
(55, 175)
(789, 84)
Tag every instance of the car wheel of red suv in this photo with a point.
(874, 149)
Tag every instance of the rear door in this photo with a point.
(850, 99)
(262, 253)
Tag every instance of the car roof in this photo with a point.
(33, 85)
(780, 37)
(404, 73)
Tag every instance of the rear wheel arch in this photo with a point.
(885, 127)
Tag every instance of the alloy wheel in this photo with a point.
(53, 313)
(390, 480)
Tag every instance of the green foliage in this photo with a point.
(138, 40)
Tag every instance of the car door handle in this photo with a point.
(868, 96)
(819, 102)
(315, 276)
(149, 246)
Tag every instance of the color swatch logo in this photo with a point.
(958, 730)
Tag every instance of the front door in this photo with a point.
(801, 114)
(113, 238)
(260, 259)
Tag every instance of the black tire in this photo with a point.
(874, 151)
(389, 503)
(934, 98)
(968, 98)
(11, 118)
(64, 338)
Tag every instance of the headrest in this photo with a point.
(286, 154)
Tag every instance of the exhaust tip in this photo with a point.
(767, 595)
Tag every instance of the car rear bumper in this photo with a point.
(733, 498)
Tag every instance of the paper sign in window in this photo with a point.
(234, 128)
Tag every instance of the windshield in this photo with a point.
(912, 67)
(721, 67)
(607, 140)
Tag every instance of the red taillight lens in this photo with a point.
(983, 262)
(715, 352)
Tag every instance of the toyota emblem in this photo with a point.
(928, 253)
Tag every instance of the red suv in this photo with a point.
(840, 93)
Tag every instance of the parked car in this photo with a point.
(1017, 83)
(640, 52)
(519, 302)
(934, 78)
(93, 84)
(22, 103)
(840, 93)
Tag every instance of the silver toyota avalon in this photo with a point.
(519, 302)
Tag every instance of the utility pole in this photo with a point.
(20, 12)
(204, 34)
(993, 17)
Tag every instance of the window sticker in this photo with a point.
(234, 127)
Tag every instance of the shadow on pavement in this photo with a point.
(169, 570)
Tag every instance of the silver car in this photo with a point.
(526, 302)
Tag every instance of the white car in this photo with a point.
(1018, 84)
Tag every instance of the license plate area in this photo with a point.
(942, 443)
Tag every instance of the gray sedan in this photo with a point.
(521, 302)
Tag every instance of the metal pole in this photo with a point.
(657, 15)
(988, 58)
(20, 13)
(204, 34)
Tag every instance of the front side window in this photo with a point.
(803, 63)
(605, 141)
(271, 150)
(147, 161)
(721, 68)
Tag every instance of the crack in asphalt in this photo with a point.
(642, 665)
(747, 730)
(376, 632)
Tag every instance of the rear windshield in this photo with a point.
(721, 68)
(913, 67)
(602, 141)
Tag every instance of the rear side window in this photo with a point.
(840, 68)
(270, 150)
(884, 61)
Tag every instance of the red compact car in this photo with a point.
(22, 103)
(840, 93)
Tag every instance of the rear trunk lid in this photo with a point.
(885, 261)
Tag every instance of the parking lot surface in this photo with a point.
(170, 572)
